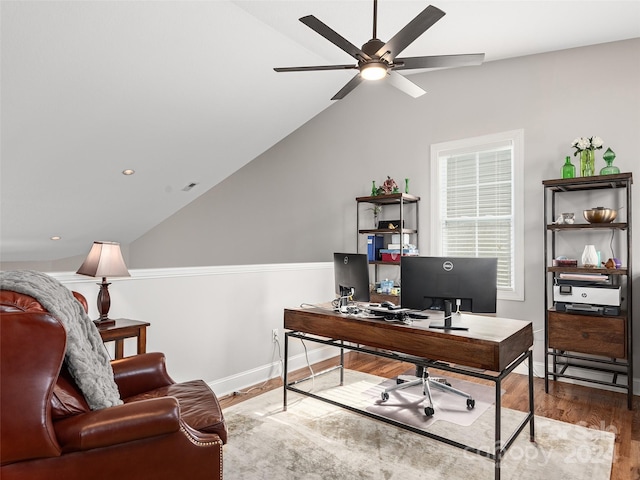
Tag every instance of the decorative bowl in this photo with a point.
(600, 215)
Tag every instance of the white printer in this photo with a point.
(587, 297)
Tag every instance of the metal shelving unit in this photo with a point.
(576, 342)
(401, 201)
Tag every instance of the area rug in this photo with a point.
(314, 440)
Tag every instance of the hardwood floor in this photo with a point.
(586, 406)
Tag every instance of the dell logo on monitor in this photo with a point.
(447, 266)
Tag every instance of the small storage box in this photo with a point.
(395, 238)
(391, 257)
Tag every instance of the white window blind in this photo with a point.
(475, 206)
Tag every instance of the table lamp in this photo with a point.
(104, 260)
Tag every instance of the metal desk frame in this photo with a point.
(499, 451)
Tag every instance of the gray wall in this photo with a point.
(68, 264)
(295, 203)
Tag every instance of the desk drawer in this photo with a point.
(594, 335)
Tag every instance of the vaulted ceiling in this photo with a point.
(184, 92)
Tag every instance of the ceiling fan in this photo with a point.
(377, 60)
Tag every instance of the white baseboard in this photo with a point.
(257, 376)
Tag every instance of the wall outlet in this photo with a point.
(274, 335)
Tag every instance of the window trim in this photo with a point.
(477, 143)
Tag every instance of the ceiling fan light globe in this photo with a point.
(373, 71)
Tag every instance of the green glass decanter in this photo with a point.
(610, 169)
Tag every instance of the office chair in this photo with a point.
(423, 378)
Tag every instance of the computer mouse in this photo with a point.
(387, 304)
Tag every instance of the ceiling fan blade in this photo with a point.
(334, 37)
(405, 85)
(437, 61)
(351, 84)
(411, 31)
(313, 68)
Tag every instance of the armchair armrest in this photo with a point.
(119, 424)
(140, 373)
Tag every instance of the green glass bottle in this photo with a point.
(568, 169)
(610, 169)
(374, 190)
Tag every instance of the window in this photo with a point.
(477, 198)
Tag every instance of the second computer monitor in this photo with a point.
(428, 282)
(352, 275)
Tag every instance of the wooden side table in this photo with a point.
(125, 328)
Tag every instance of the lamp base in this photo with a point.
(104, 323)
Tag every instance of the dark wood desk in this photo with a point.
(122, 329)
(492, 347)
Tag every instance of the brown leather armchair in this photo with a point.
(164, 430)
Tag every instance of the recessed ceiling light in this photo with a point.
(128, 171)
(56, 237)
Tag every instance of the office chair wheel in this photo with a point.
(385, 396)
(429, 411)
(471, 403)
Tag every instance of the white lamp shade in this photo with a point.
(104, 260)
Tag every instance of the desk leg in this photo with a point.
(498, 446)
(532, 434)
(341, 363)
(286, 370)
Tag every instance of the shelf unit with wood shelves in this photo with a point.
(405, 208)
(576, 342)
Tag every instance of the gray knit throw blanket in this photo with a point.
(86, 357)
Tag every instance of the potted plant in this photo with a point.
(376, 209)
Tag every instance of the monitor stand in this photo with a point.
(447, 319)
(343, 301)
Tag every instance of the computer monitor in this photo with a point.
(437, 283)
(351, 272)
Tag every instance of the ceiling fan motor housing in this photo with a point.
(375, 67)
(372, 47)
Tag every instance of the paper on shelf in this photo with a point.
(591, 277)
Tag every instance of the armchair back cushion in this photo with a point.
(29, 370)
(67, 399)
